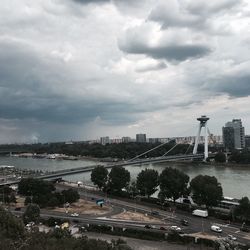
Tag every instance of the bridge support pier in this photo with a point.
(203, 123)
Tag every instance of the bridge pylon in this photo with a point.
(203, 123)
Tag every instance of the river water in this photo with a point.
(235, 180)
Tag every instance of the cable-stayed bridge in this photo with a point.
(137, 160)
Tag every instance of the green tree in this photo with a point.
(28, 200)
(10, 227)
(31, 186)
(32, 213)
(99, 176)
(119, 178)
(53, 202)
(147, 182)
(220, 157)
(206, 190)
(12, 197)
(70, 195)
(132, 189)
(243, 210)
(173, 183)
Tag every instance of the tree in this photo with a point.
(99, 176)
(119, 178)
(206, 190)
(32, 213)
(147, 182)
(173, 183)
(220, 157)
(31, 186)
(243, 210)
(70, 195)
(10, 226)
(132, 189)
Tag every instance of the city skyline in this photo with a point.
(68, 71)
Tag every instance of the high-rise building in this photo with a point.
(141, 138)
(126, 139)
(233, 135)
(105, 140)
(247, 141)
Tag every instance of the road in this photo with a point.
(196, 224)
(166, 219)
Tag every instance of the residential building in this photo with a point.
(105, 140)
(141, 138)
(247, 141)
(233, 135)
(126, 139)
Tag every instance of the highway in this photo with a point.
(196, 224)
(167, 220)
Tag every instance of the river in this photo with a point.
(235, 180)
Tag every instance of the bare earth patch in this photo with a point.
(85, 207)
(19, 201)
(134, 216)
(204, 236)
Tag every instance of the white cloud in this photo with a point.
(137, 66)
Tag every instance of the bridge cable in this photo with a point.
(170, 149)
(158, 146)
(150, 150)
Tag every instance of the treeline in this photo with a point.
(120, 151)
(43, 193)
(172, 184)
(237, 156)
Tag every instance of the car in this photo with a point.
(216, 229)
(30, 224)
(244, 229)
(148, 226)
(17, 208)
(154, 213)
(175, 228)
(231, 237)
(184, 222)
(162, 228)
(74, 215)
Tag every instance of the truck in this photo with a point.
(200, 213)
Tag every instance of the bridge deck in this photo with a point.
(124, 163)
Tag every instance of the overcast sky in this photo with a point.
(81, 69)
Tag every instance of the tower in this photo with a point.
(203, 123)
(233, 135)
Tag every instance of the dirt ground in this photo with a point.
(204, 236)
(85, 207)
(19, 201)
(134, 216)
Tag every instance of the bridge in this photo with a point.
(85, 169)
(137, 160)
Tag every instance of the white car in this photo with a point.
(231, 237)
(216, 229)
(74, 215)
(175, 228)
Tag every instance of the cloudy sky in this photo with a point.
(81, 69)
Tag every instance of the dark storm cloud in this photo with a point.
(168, 52)
(30, 88)
(33, 86)
(233, 85)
